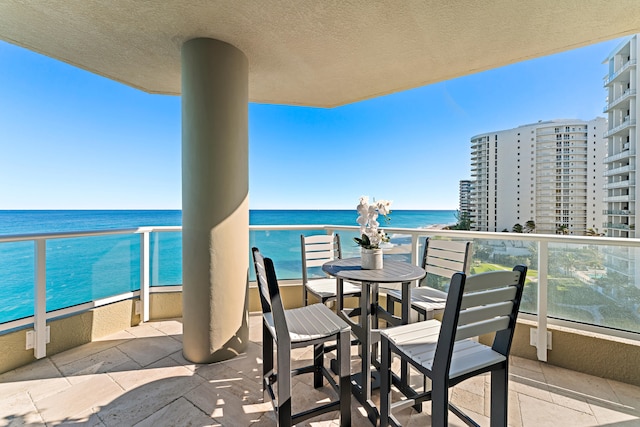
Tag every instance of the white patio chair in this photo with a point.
(476, 305)
(312, 325)
(441, 259)
(316, 250)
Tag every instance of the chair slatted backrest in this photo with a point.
(446, 257)
(272, 306)
(481, 304)
(317, 250)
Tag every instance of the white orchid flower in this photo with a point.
(384, 207)
(368, 221)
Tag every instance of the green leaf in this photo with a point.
(363, 241)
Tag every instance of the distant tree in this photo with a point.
(517, 228)
(593, 232)
(464, 221)
(482, 252)
(562, 229)
(530, 226)
(533, 253)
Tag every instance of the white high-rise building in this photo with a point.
(621, 83)
(465, 197)
(548, 172)
(622, 190)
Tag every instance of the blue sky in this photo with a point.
(70, 139)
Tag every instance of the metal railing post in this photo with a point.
(145, 270)
(415, 244)
(40, 300)
(543, 267)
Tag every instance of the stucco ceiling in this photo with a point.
(312, 52)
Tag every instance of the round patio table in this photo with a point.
(369, 312)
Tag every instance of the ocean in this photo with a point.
(51, 221)
(88, 268)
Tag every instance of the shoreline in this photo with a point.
(436, 227)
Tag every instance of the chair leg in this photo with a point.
(390, 305)
(439, 402)
(267, 357)
(283, 356)
(385, 383)
(344, 362)
(499, 397)
(318, 361)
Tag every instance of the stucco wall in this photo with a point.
(591, 353)
(69, 332)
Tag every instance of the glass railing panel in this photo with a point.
(401, 249)
(85, 269)
(283, 247)
(165, 258)
(491, 255)
(350, 248)
(591, 285)
(594, 284)
(17, 277)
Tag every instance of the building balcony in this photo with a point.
(102, 371)
(618, 226)
(620, 198)
(626, 95)
(618, 184)
(616, 212)
(626, 122)
(140, 272)
(611, 77)
(624, 154)
(618, 171)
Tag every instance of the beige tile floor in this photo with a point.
(139, 377)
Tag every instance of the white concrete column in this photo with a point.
(215, 207)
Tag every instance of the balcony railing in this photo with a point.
(616, 212)
(620, 156)
(618, 226)
(620, 198)
(627, 93)
(609, 78)
(618, 184)
(46, 276)
(617, 171)
(625, 123)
